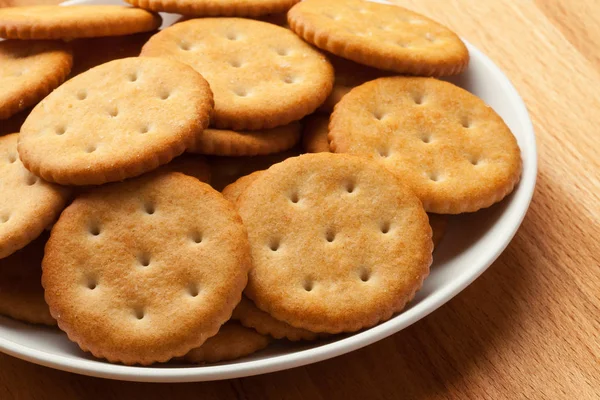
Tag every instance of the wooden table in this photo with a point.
(529, 328)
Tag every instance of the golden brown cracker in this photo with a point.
(338, 242)
(382, 36)
(217, 8)
(145, 270)
(262, 75)
(452, 149)
(115, 121)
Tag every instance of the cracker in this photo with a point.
(262, 75)
(29, 71)
(115, 121)
(226, 170)
(191, 165)
(145, 270)
(91, 52)
(380, 35)
(252, 317)
(224, 142)
(57, 22)
(439, 223)
(348, 75)
(214, 8)
(314, 135)
(345, 243)
(234, 190)
(232, 342)
(453, 150)
(21, 291)
(27, 203)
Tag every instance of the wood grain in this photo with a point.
(529, 328)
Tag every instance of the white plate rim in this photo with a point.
(518, 209)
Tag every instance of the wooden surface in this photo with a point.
(529, 328)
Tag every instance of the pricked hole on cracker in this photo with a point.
(418, 98)
(185, 46)
(31, 180)
(330, 235)
(149, 208)
(144, 259)
(4, 218)
(385, 153)
(94, 229)
(474, 160)
(274, 244)
(132, 77)
(282, 52)
(113, 112)
(235, 63)
(60, 130)
(466, 121)
(193, 290)
(12, 158)
(82, 95)
(289, 79)
(165, 95)
(426, 138)
(241, 92)
(232, 36)
(308, 285)
(197, 237)
(91, 283)
(350, 186)
(294, 197)
(145, 129)
(434, 176)
(364, 274)
(379, 115)
(90, 149)
(139, 313)
(385, 227)
(429, 36)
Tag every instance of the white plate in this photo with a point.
(472, 243)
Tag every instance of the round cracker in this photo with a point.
(233, 341)
(58, 22)
(27, 204)
(380, 35)
(21, 291)
(115, 121)
(453, 150)
(252, 317)
(314, 135)
(214, 8)
(262, 75)
(145, 270)
(343, 241)
(224, 142)
(29, 71)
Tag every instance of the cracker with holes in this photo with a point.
(116, 121)
(452, 149)
(262, 75)
(57, 22)
(232, 342)
(29, 71)
(224, 142)
(27, 203)
(345, 243)
(21, 291)
(314, 135)
(145, 270)
(382, 36)
(214, 8)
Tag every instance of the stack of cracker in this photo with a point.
(155, 203)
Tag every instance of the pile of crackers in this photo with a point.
(155, 201)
